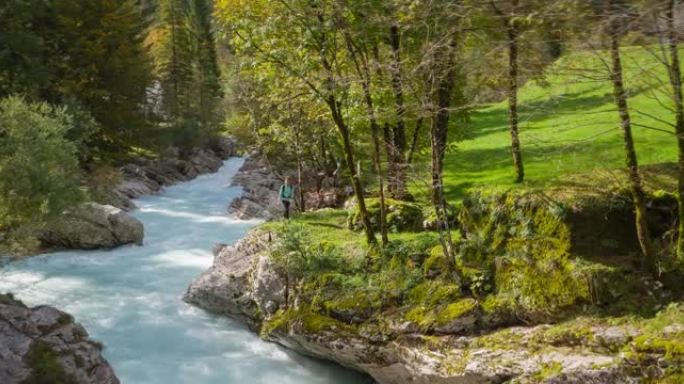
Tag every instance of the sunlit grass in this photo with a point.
(568, 126)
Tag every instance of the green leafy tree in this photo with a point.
(39, 174)
(172, 44)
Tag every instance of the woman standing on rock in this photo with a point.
(286, 195)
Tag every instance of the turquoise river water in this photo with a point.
(130, 298)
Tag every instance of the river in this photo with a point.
(130, 298)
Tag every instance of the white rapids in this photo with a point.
(130, 298)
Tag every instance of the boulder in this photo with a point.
(43, 344)
(223, 288)
(260, 192)
(93, 226)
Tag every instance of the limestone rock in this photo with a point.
(260, 192)
(146, 177)
(268, 286)
(226, 288)
(243, 283)
(44, 333)
(93, 226)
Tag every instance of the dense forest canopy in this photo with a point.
(380, 92)
(394, 83)
(120, 77)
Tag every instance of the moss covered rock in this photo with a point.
(401, 215)
(541, 255)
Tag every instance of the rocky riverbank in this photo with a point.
(547, 291)
(94, 225)
(45, 345)
(261, 183)
(244, 284)
(149, 176)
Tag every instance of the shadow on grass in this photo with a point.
(495, 118)
(494, 166)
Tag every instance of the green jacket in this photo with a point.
(286, 192)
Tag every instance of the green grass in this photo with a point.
(568, 126)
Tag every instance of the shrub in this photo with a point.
(300, 257)
(401, 215)
(39, 173)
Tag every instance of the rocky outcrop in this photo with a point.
(260, 191)
(243, 283)
(260, 184)
(147, 177)
(93, 226)
(223, 288)
(45, 345)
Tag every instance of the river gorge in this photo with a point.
(130, 298)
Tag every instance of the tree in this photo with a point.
(39, 174)
(511, 24)
(172, 46)
(208, 71)
(359, 52)
(614, 29)
(104, 65)
(301, 39)
(85, 52)
(675, 76)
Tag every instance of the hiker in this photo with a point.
(286, 195)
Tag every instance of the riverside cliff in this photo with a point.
(45, 345)
(537, 302)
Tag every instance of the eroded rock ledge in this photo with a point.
(261, 183)
(243, 283)
(92, 225)
(148, 177)
(43, 344)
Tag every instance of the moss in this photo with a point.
(422, 316)
(9, 299)
(45, 366)
(518, 244)
(671, 348)
(401, 215)
(501, 340)
(456, 364)
(428, 317)
(547, 371)
(436, 263)
(433, 292)
(455, 310)
(305, 320)
(353, 306)
(567, 335)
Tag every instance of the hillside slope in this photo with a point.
(568, 125)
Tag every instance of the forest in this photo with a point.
(461, 168)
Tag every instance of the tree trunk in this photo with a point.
(446, 79)
(302, 205)
(376, 155)
(364, 72)
(342, 128)
(388, 138)
(349, 157)
(414, 141)
(399, 142)
(638, 194)
(676, 81)
(512, 30)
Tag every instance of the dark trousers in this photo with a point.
(286, 204)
